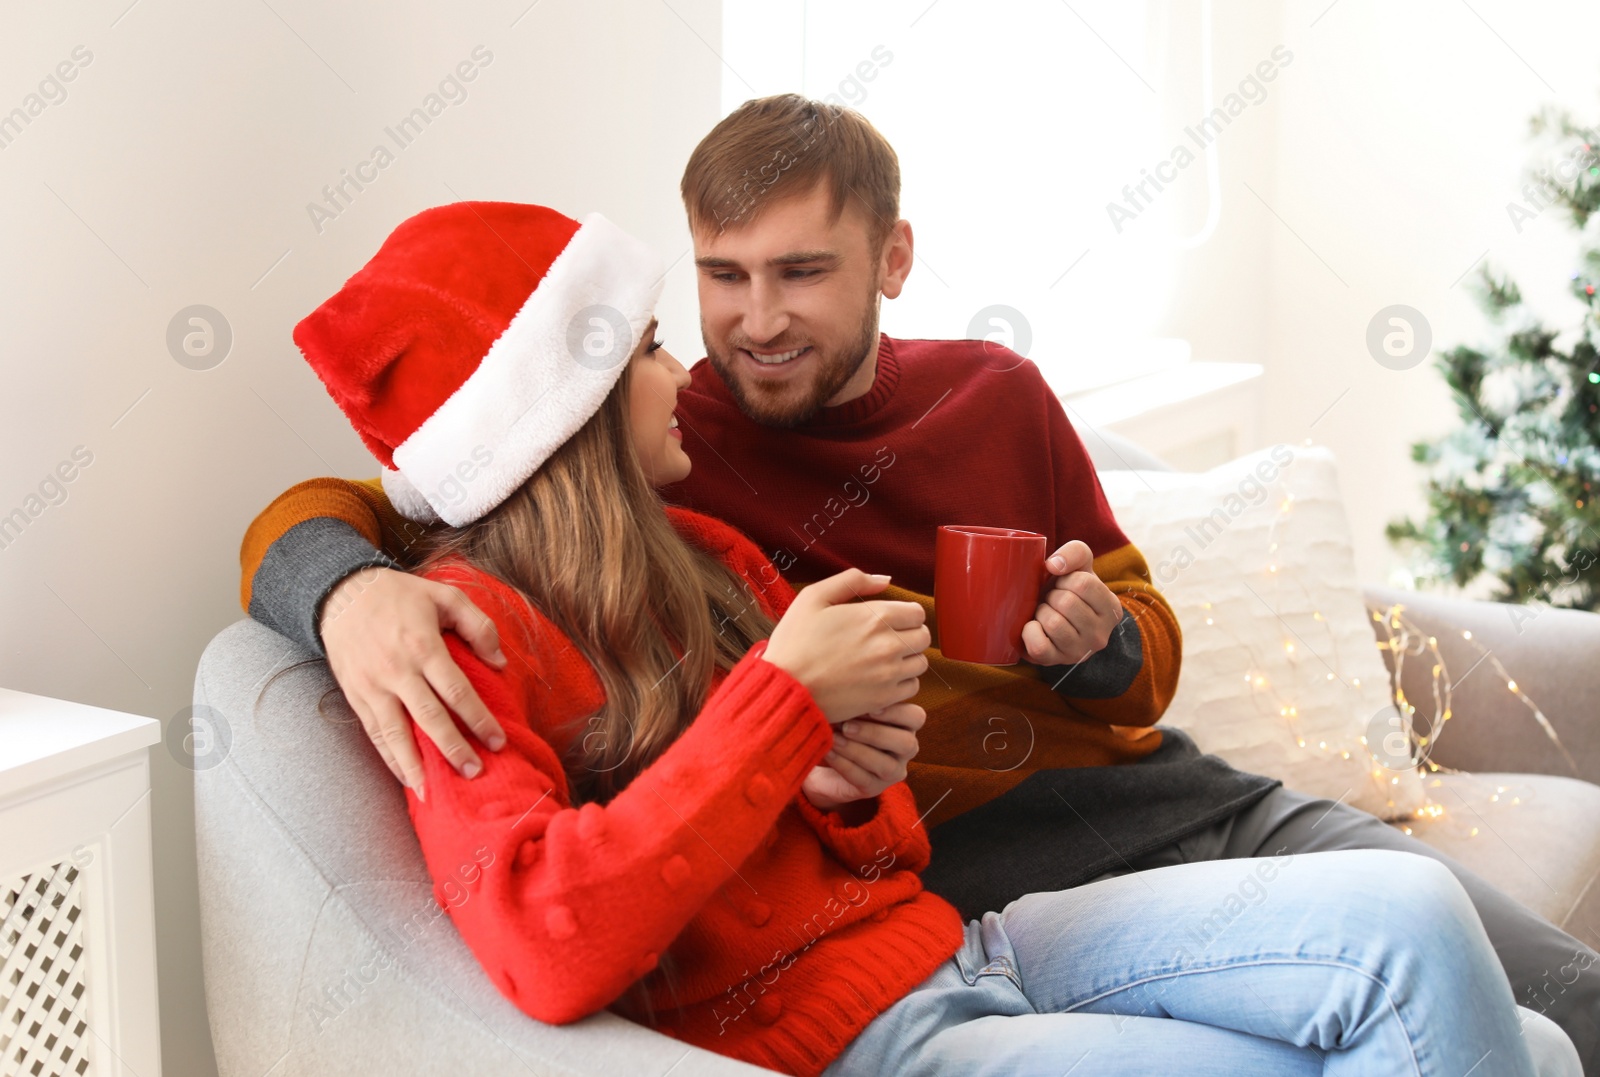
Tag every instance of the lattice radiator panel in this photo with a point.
(44, 1019)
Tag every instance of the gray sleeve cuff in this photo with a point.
(1108, 672)
(299, 570)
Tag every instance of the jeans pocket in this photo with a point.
(999, 966)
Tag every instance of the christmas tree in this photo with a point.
(1512, 493)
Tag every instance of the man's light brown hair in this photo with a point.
(771, 148)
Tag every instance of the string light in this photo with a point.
(1401, 639)
(1404, 640)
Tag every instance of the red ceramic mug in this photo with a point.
(986, 586)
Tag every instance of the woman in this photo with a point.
(699, 818)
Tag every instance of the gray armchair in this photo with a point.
(325, 953)
(324, 949)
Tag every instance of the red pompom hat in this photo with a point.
(479, 338)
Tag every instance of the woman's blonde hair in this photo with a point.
(587, 542)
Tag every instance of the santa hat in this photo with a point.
(479, 338)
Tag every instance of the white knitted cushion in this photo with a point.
(1281, 672)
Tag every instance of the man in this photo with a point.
(832, 445)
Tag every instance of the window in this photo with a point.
(1015, 125)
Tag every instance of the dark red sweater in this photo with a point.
(951, 432)
(790, 931)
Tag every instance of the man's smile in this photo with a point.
(776, 358)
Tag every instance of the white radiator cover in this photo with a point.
(77, 925)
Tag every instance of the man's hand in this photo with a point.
(383, 631)
(1078, 614)
(869, 755)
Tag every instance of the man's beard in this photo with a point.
(834, 371)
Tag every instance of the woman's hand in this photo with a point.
(854, 657)
(869, 755)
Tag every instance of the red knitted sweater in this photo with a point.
(790, 932)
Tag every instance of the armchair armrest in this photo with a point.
(1552, 654)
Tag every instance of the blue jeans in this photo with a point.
(1549, 970)
(1358, 962)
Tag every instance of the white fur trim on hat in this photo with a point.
(545, 377)
(405, 498)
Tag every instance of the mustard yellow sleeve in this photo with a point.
(1133, 679)
(310, 537)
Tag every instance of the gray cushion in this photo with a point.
(324, 949)
(1539, 841)
(1113, 452)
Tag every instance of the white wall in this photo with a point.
(1398, 138)
(177, 172)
